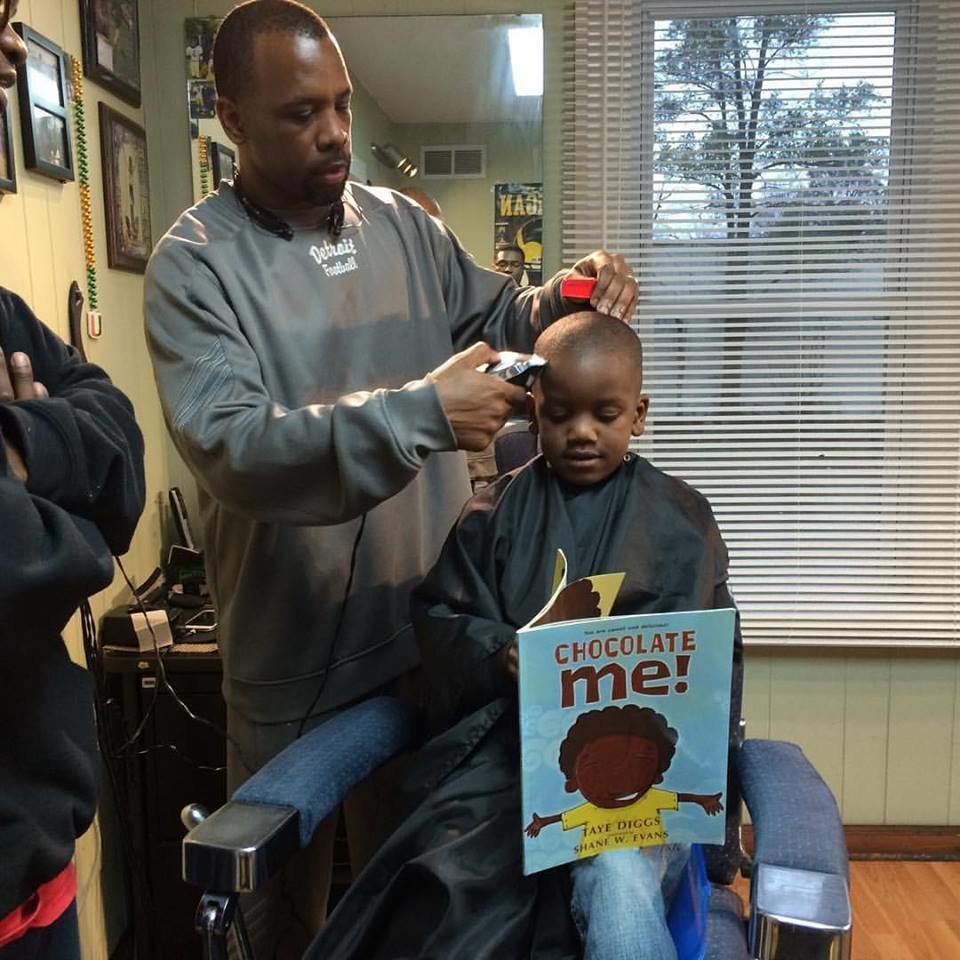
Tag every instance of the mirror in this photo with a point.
(447, 105)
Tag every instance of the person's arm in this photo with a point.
(537, 823)
(49, 562)
(458, 621)
(322, 463)
(709, 801)
(486, 305)
(80, 445)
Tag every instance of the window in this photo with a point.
(787, 197)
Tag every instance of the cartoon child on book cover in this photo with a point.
(614, 757)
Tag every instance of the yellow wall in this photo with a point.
(371, 125)
(514, 155)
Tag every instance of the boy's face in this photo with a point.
(616, 770)
(586, 409)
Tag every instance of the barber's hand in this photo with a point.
(616, 290)
(476, 404)
(17, 383)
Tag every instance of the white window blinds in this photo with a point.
(785, 180)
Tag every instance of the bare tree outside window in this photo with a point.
(773, 365)
(762, 125)
(771, 183)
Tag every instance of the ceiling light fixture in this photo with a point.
(526, 60)
(393, 157)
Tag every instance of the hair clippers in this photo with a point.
(517, 368)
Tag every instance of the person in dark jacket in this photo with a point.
(71, 492)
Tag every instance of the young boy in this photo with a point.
(449, 882)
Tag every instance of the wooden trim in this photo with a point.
(883, 842)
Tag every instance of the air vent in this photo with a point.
(448, 162)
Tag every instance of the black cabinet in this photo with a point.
(175, 761)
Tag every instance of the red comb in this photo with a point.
(577, 288)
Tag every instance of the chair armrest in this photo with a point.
(796, 822)
(799, 894)
(274, 813)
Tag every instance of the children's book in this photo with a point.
(624, 724)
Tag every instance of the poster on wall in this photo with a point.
(518, 221)
(126, 191)
(198, 39)
(110, 31)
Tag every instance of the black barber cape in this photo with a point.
(448, 883)
(82, 499)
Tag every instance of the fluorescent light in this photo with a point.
(526, 60)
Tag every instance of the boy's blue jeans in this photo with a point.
(620, 901)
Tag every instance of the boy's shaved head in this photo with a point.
(589, 333)
(587, 403)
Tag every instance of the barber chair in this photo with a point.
(799, 901)
(799, 893)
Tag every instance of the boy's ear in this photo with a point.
(640, 415)
(571, 786)
(532, 414)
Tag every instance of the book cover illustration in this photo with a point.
(624, 724)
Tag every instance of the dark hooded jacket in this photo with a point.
(84, 493)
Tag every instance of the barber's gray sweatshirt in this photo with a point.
(291, 376)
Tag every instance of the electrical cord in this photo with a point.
(336, 634)
(135, 871)
(165, 681)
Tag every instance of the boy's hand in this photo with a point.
(476, 404)
(616, 291)
(512, 659)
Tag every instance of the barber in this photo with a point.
(315, 345)
(71, 490)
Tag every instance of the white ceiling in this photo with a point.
(444, 69)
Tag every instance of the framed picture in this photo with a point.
(110, 31)
(8, 170)
(223, 162)
(198, 34)
(202, 96)
(44, 118)
(126, 190)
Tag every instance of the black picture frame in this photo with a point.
(110, 39)
(126, 191)
(8, 164)
(44, 115)
(223, 162)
